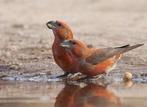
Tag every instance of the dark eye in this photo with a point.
(73, 43)
(59, 24)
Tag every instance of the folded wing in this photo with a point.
(102, 54)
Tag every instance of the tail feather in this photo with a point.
(122, 46)
(109, 52)
(128, 48)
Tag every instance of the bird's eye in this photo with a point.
(73, 43)
(59, 24)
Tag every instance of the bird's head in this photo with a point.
(76, 47)
(61, 29)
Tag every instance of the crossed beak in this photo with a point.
(51, 24)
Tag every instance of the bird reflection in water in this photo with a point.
(91, 95)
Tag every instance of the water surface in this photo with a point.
(60, 94)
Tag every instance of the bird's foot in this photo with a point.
(75, 76)
(83, 78)
(63, 76)
(89, 78)
(102, 79)
(105, 79)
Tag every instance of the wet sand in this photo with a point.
(25, 44)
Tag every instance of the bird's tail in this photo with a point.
(110, 52)
(128, 47)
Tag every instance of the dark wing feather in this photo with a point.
(105, 53)
(123, 46)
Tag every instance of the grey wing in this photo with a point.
(106, 53)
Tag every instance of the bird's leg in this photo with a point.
(90, 78)
(84, 78)
(76, 76)
(97, 77)
(63, 75)
(105, 78)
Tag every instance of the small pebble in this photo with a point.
(127, 76)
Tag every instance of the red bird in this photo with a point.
(92, 61)
(63, 59)
(91, 95)
(95, 95)
(66, 97)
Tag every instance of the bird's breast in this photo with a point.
(63, 58)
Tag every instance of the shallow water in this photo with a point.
(60, 94)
